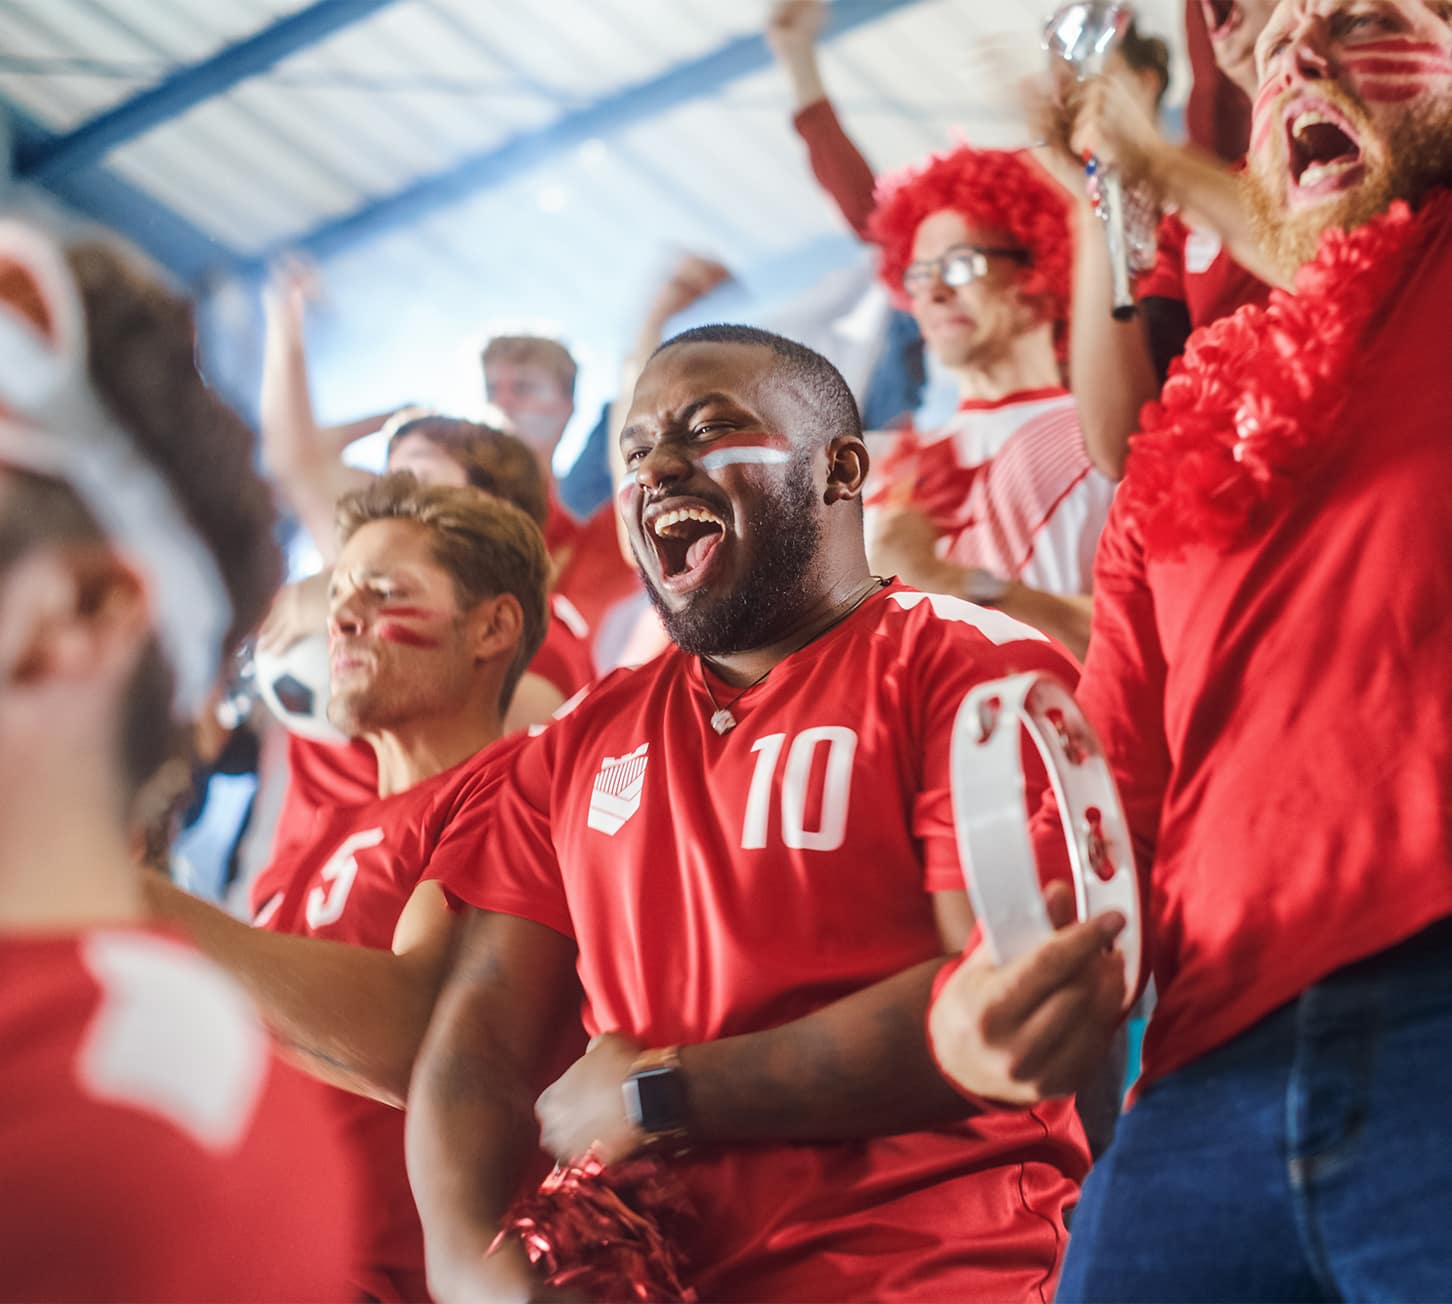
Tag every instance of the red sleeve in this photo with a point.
(563, 659)
(1166, 279)
(950, 679)
(1122, 691)
(837, 164)
(497, 853)
(1217, 116)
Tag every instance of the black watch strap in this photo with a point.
(655, 1096)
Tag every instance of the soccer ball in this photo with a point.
(294, 685)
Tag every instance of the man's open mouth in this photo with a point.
(685, 538)
(1221, 18)
(1322, 148)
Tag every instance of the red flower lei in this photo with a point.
(1253, 407)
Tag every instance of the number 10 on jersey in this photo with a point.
(801, 755)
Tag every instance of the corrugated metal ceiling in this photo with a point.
(458, 163)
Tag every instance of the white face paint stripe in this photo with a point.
(720, 457)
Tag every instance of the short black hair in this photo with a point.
(820, 383)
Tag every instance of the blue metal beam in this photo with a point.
(175, 243)
(680, 84)
(61, 156)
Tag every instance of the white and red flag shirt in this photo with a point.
(1010, 486)
(724, 884)
(152, 1146)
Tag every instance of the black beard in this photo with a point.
(787, 535)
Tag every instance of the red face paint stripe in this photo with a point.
(1268, 92)
(1398, 46)
(1401, 67)
(394, 633)
(1390, 92)
(409, 613)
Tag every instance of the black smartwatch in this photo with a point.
(655, 1097)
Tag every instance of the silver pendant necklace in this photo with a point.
(722, 721)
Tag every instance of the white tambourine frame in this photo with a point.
(992, 820)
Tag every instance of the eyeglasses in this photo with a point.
(961, 265)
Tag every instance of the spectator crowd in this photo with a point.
(615, 936)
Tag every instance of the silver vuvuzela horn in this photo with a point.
(1084, 35)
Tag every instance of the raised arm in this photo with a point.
(353, 1016)
(692, 277)
(1111, 125)
(1110, 362)
(1111, 365)
(792, 31)
(470, 1124)
(303, 458)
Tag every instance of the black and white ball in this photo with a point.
(294, 684)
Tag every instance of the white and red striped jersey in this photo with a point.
(1010, 486)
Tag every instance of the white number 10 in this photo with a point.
(836, 789)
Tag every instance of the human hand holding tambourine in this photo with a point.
(991, 817)
(1032, 1010)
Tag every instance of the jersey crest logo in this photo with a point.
(616, 795)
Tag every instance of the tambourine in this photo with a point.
(992, 820)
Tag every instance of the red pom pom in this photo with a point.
(1252, 408)
(607, 1234)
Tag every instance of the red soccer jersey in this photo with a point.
(349, 880)
(1279, 712)
(151, 1145)
(1192, 267)
(561, 530)
(563, 659)
(727, 884)
(593, 574)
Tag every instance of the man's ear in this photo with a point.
(847, 466)
(496, 627)
(71, 615)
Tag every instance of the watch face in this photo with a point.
(659, 1103)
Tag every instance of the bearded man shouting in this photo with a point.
(1269, 669)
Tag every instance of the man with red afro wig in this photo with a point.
(1001, 506)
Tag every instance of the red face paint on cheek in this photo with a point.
(1384, 92)
(1397, 69)
(408, 613)
(391, 631)
(1262, 114)
(749, 448)
(400, 624)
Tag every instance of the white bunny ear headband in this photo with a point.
(53, 424)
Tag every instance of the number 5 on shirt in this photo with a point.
(327, 899)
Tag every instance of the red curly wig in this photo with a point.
(1001, 189)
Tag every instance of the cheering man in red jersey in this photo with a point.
(746, 850)
(151, 1145)
(438, 604)
(1269, 672)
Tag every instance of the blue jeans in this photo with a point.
(1308, 1159)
